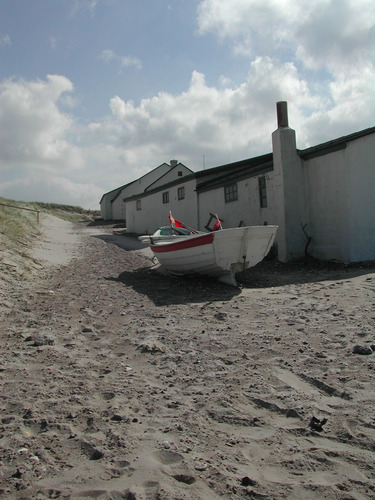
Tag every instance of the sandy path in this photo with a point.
(118, 382)
(59, 242)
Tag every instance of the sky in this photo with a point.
(95, 93)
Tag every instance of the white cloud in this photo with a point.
(328, 43)
(319, 34)
(123, 61)
(53, 42)
(32, 129)
(47, 155)
(5, 40)
(52, 189)
(37, 156)
(224, 125)
(84, 6)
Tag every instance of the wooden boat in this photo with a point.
(219, 254)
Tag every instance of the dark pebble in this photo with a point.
(362, 349)
(246, 481)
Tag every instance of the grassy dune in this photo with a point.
(19, 228)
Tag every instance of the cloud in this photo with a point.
(321, 34)
(53, 42)
(32, 128)
(5, 40)
(224, 125)
(38, 156)
(52, 189)
(123, 61)
(84, 6)
(328, 43)
(48, 155)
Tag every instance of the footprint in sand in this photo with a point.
(167, 457)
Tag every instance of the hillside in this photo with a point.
(19, 229)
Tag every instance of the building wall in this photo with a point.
(118, 209)
(175, 173)
(290, 195)
(331, 195)
(106, 205)
(341, 200)
(245, 209)
(361, 198)
(154, 213)
(326, 183)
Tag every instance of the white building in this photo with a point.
(322, 198)
(112, 206)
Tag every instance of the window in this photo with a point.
(181, 193)
(166, 197)
(262, 191)
(230, 193)
(139, 204)
(180, 173)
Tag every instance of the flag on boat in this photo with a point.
(176, 223)
(172, 222)
(217, 225)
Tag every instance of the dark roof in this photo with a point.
(332, 146)
(179, 165)
(115, 192)
(232, 172)
(163, 187)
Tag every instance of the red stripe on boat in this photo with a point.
(206, 239)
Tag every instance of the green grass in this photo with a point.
(16, 225)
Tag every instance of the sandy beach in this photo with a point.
(118, 381)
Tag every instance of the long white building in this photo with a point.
(323, 195)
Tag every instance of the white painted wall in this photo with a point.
(332, 193)
(118, 209)
(172, 174)
(155, 213)
(340, 194)
(246, 209)
(290, 195)
(106, 205)
(326, 182)
(360, 155)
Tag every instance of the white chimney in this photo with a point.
(173, 163)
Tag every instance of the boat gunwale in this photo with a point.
(190, 241)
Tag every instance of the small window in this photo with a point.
(262, 192)
(166, 197)
(180, 173)
(230, 193)
(181, 193)
(139, 204)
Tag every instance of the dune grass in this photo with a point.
(18, 229)
(16, 225)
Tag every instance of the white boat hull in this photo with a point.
(219, 254)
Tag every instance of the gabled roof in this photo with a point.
(332, 146)
(179, 165)
(115, 192)
(231, 172)
(162, 187)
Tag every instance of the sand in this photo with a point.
(120, 382)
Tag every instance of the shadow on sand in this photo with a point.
(164, 288)
(127, 242)
(160, 286)
(272, 273)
